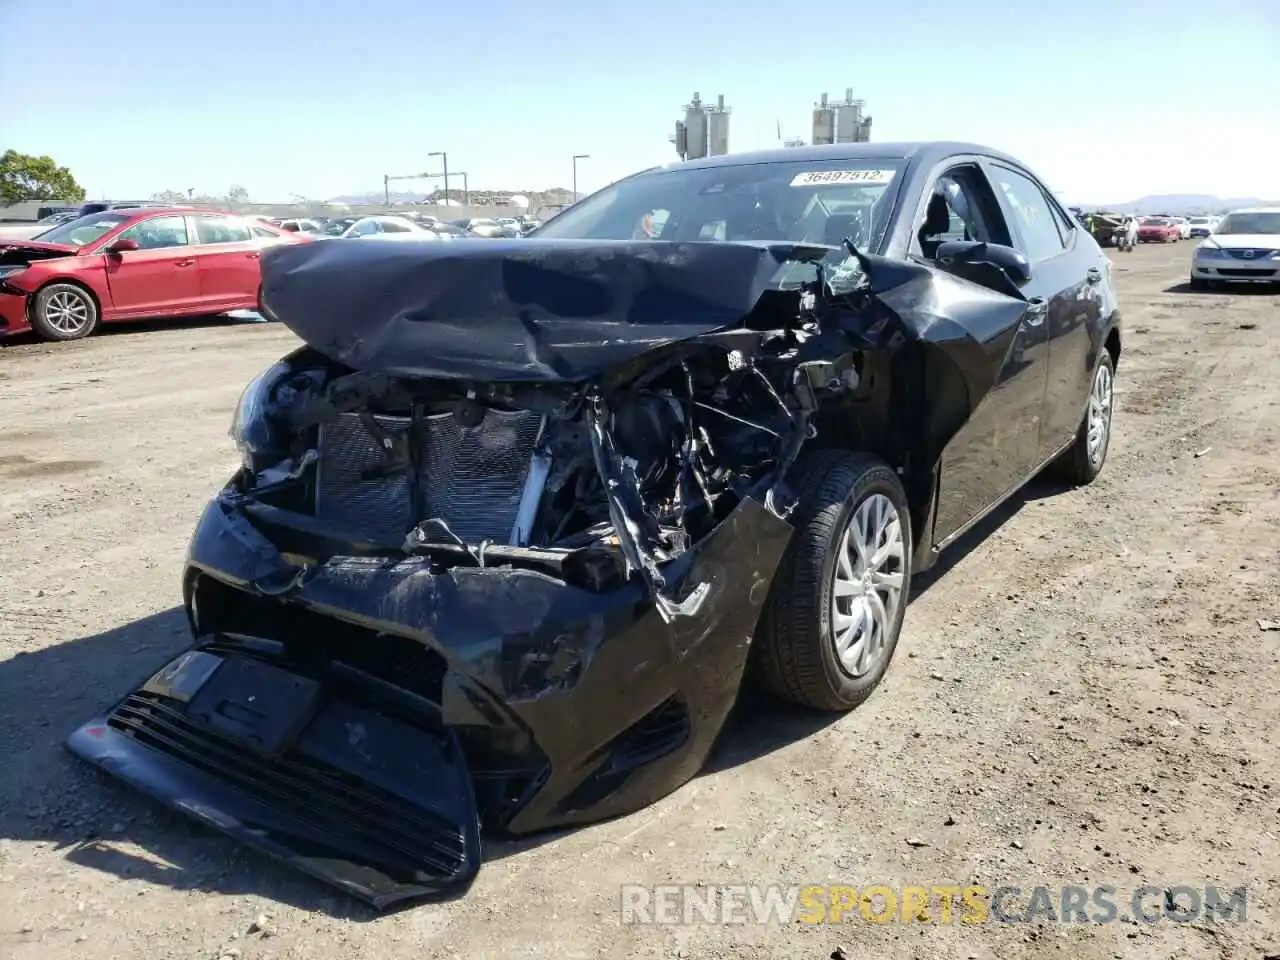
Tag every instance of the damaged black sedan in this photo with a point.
(516, 521)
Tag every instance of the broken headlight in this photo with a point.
(251, 425)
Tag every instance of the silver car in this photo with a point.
(1244, 248)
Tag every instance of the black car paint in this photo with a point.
(556, 311)
(529, 671)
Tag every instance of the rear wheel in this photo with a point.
(1083, 460)
(63, 311)
(835, 610)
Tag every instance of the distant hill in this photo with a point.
(1181, 203)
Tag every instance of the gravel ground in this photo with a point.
(1083, 693)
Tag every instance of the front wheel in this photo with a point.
(63, 311)
(835, 610)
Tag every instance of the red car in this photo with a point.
(1158, 230)
(132, 264)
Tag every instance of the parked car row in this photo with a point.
(128, 261)
(408, 225)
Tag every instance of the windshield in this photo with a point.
(1267, 221)
(1156, 222)
(336, 228)
(815, 201)
(1199, 219)
(79, 233)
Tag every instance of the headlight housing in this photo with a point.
(11, 270)
(1209, 252)
(251, 426)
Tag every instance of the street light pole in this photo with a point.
(444, 165)
(576, 158)
(386, 189)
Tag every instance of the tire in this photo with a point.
(1079, 465)
(63, 311)
(795, 654)
(1199, 283)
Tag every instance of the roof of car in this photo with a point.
(926, 151)
(1257, 210)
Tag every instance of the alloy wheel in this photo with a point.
(1099, 414)
(868, 578)
(67, 312)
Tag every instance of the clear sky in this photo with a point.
(1107, 99)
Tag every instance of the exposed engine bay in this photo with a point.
(589, 482)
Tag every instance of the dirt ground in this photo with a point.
(1083, 693)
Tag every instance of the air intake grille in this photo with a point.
(324, 797)
(472, 477)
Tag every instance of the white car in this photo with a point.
(1202, 226)
(388, 228)
(1243, 248)
(1184, 228)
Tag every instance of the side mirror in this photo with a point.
(1010, 262)
(123, 245)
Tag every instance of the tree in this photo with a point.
(174, 198)
(24, 177)
(238, 196)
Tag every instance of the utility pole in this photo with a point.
(576, 158)
(444, 165)
(386, 189)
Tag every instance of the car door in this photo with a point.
(1067, 270)
(160, 276)
(995, 449)
(227, 257)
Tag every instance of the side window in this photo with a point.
(365, 228)
(157, 233)
(712, 230)
(221, 230)
(262, 233)
(1032, 214)
(961, 206)
(649, 226)
(390, 226)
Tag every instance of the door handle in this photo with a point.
(253, 256)
(1093, 275)
(1039, 307)
(183, 263)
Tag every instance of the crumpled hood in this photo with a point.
(27, 251)
(514, 309)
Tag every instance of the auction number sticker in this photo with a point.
(818, 178)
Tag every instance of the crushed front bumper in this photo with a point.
(13, 310)
(447, 697)
(300, 768)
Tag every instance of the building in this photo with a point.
(704, 131)
(843, 122)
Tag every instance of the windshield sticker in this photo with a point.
(820, 178)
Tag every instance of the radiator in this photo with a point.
(473, 477)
